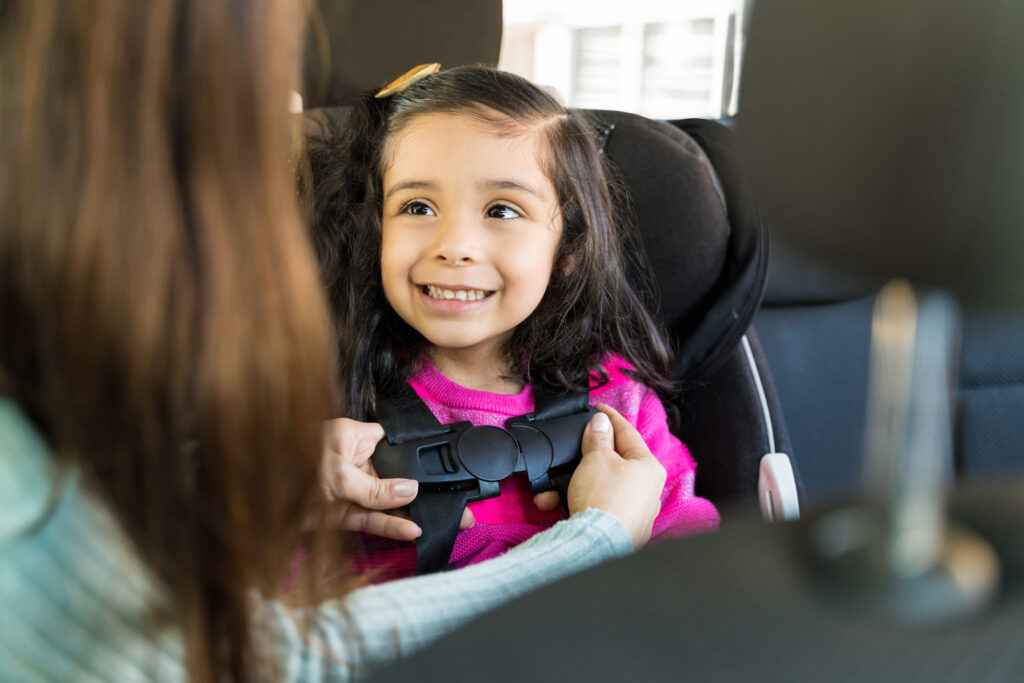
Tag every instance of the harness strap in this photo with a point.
(405, 417)
(438, 513)
(549, 402)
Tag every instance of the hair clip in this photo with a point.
(413, 75)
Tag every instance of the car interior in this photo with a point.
(701, 230)
(776, 351)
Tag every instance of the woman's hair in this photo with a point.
(162, 320)
(591, 306)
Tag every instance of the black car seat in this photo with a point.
(707, 245)
(815, 328)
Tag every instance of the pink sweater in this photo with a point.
(511, 518)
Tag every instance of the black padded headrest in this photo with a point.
(679, 210)
(702, 230)
(355, 45)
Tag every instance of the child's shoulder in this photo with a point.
(621, 389)
(613, 365)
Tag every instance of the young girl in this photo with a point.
(472, 244)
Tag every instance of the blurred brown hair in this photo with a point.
(162, 318)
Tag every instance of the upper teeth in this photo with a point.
(455, 294)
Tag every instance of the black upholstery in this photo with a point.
(740, 605)
(815, 328)
(989, 430)
(354, 45)
(723, 423)
(707, 247)
(684, 225)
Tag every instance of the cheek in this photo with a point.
(394, 265)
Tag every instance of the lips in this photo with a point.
(455, 294)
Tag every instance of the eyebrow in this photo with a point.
(495, 184)
(410, 185)
(510, 185)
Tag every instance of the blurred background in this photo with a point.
(659, 58)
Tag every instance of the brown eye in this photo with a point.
(503, 212)
(417, 209)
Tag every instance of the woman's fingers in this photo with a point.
(353, 440)
(547, 501)
(346, 482)
(627, 485)
(627, 440)
(348, 517)
(380, 524)
(598, 435)
(468, 520)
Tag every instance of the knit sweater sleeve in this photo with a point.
(348, 639)
(79, 604)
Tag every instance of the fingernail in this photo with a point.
(600, 423)
(405, 488)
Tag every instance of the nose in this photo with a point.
(458, 240)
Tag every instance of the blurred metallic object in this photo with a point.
(889, 135)
(896, 554)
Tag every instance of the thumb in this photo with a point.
(598, 435)
(628, 442)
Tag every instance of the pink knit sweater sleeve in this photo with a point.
(682, 512)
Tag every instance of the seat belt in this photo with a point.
(414, 432)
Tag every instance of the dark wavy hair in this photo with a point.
(591, 306)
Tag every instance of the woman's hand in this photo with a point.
(360, 497)
(618, 474)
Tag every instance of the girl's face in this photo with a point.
(471, 224)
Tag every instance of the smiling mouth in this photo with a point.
(442, 294)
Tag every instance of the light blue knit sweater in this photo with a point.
(76, 604)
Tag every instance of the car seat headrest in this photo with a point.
(356, 45)
(679, 211)
(888, 138)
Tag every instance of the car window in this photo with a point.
(659, 58)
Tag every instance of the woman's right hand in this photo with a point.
(618, 474)
(360, 501)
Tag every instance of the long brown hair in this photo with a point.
(162, 319)
(592, 306)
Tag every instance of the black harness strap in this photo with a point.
(406, 418)
(438, 513)
(548, 403)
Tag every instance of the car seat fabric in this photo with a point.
(989, 426)
(708, 249)
(354, 45)
(815, 327)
